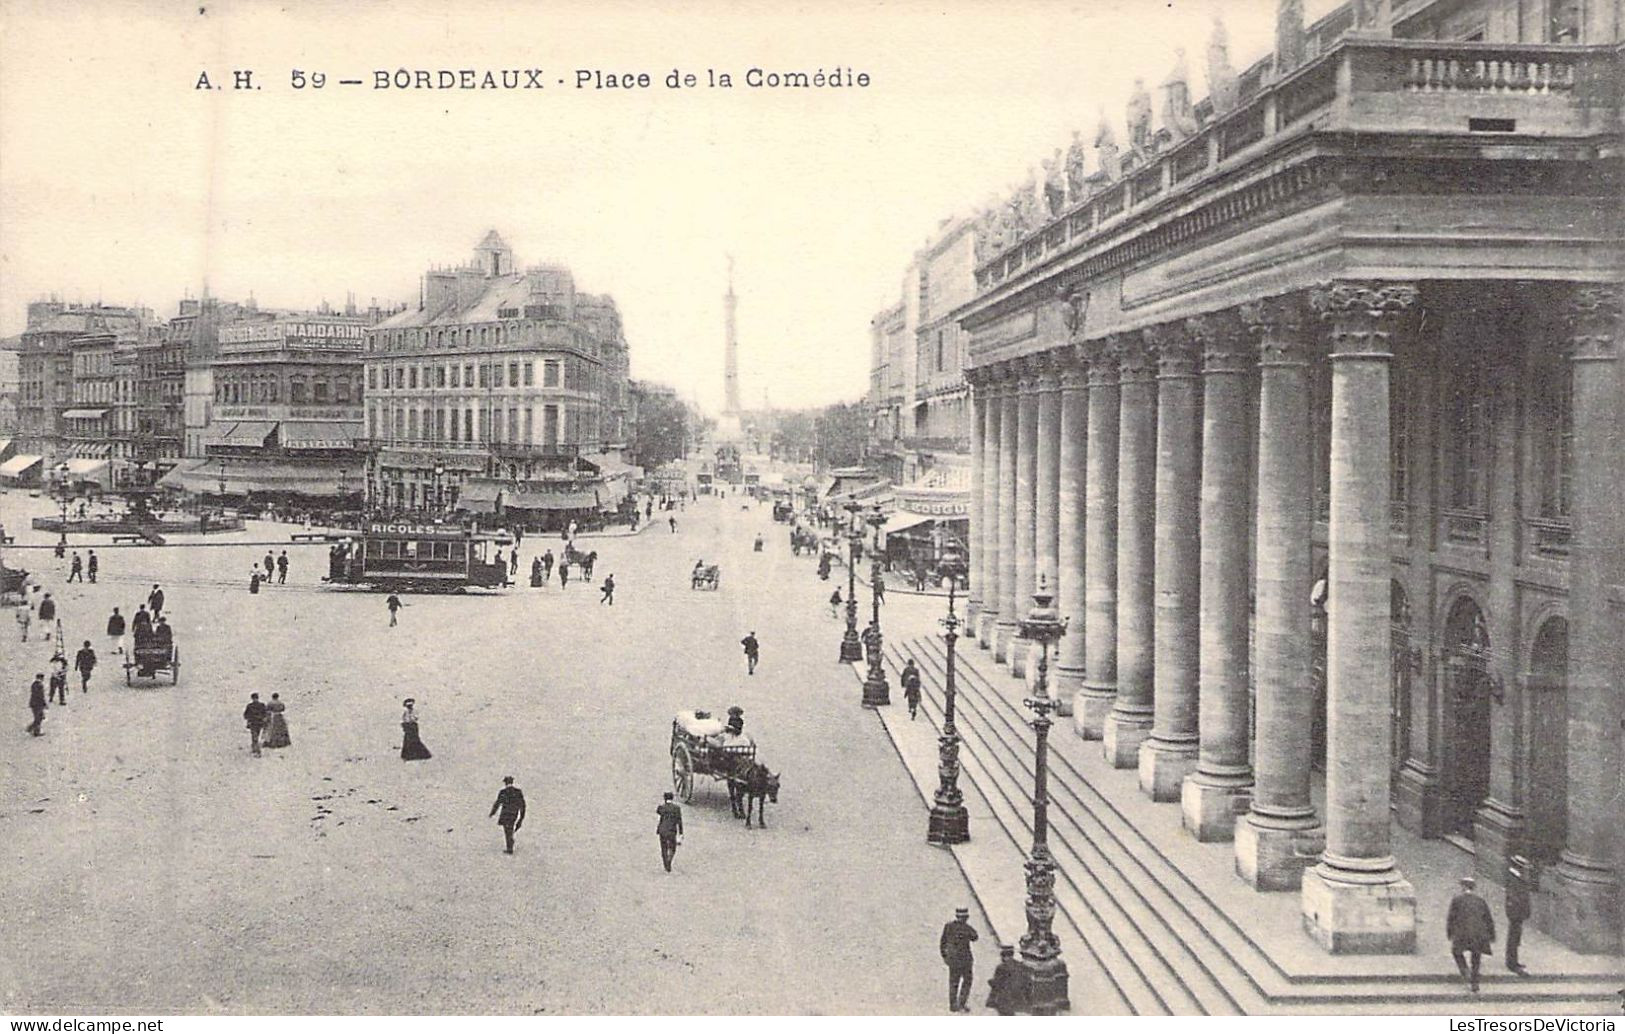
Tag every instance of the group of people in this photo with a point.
(274, 566)
(268, 720)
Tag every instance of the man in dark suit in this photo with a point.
(955, 948)
(1471, 929)
(1520, 875)
(37, 703)
(670, 827)
(510, 803)
(155, 601)
(254, 716)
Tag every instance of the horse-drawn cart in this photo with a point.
(703, 746)
(706, 577)
(150, 657)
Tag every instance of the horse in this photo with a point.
(752, 785)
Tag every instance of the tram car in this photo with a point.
(405, 557)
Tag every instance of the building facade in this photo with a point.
(1307, 404)
(502, 390)
(46, 364)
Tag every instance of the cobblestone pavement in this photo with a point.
(155, 865)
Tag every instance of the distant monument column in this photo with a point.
(730, 375)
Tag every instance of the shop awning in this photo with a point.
(479, 497)
(83, 414)
(902, 520)
(87, 470)
(569, 499)
(206, 476)
(17, 466)
(90, 450)
(173, 479)
(319, 434)
(5, 443)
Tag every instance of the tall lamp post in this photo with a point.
(851, 646)
(876, 691)
(1040, 948)
(222, 484)
(950, 822)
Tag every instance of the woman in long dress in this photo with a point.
(276, 726)
(412, 748)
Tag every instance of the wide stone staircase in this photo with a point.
(1141, 936)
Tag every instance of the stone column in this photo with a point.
(973, 544)
(1170, 754)
(1047, 531)
(1129, 723)
(1281, 836)
(1026, 510)
(1356, 900)
(1009, 431)
(1585, 883)
(1074, 451)
(1221, 787)
(1099, 693)
(992, 507)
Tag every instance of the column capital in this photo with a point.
(1224, 339)
(1363, 315)
(1136, 361)
(1281, 324)
(1028, 370)
(1175, 349)
(1075, 369)
(1051, 365)
(1592, 313)
(1102, 362)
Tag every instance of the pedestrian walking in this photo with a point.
(37, 703)
(1007, 988)
(282, 568)
(673, 522)
(59, 679)
(76, 567)
(509, 808)
(547, 565)
(513, 561)
(911, 687)
(84, 662)
(47, 616)
(254, 580)
(394, 604)
(155, 601)
(1520, 876)
(115, 631)
(25, 619)
(1471, 929)
(254, 717)
(752, 652)
(669, 829)
(608, 591)
(880, 587)
(92, 566)
(276, 723)
(956, 955)
(270, 565)
(536, 572)
(835, 602)
(412, 748)
(564, 574)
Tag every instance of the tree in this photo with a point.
(842, 433)
(664, 429)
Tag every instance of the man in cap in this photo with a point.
(668, 827)
(511, 803)
(956, 954)
(1471, 929)
(1520, 875)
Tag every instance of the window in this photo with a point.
(321, 389)
(414, 377)
(468, 425)
(412, 425)
(468, 375)
(372, 422)
(550, 373)
(485, 374)
(341, 389)
(530, 373)
(275, 388)
(296, 391)
(1554, 438)
(940, 336)
(513, 424)
(550, 425)
(496, 375)
(457, 376)
(530, 428)
(513, 375)
(439, 424)
(440, 376)
(1466, 438)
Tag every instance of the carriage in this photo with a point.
(702, 746)
(705, 577)
(149, 657)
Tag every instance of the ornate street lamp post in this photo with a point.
(851, 646)
(1040, 948)
(222, 484)
(876, 691)
(950, 822)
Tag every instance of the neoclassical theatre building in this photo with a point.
(1307, 405)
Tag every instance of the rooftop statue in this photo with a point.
(1055, 183)
(1032, 204)
(1106, 145)
(1075, 174)
(1177, 114)
(1139, 117)
(1224, 88)
(1290, 44)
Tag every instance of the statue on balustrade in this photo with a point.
(1012, 223)
(1224, 88)
(1370, 16)
(1177, 114)
(1075, 175)
(1139, 117)
(1055, 183)
(1106, 147)
(1032, 201)
(1290, 43)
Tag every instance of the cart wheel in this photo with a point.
(175, 668)
(682, 773)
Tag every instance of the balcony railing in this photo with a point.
(1357, 84)
(1465, 528)
(1549, 537)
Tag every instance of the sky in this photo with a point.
(121, 181)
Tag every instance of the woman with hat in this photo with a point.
(412, 748)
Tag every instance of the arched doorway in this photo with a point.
(1467, 700)
(1546, 810)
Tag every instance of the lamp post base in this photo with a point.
(876, 692)
(851, 648)
(950, 824)
(1047, 985)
